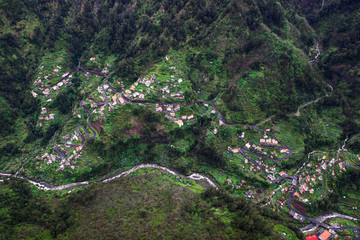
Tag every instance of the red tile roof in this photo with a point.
(325, 235)
(312, 237)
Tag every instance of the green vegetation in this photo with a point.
(252, 59)
(145, 205)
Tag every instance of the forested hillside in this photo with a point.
(90, 88)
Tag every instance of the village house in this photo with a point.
(180, 122)
(33, 93)
(312, 237)
(235, 150)
(215, 131)
(105, 71)
(121, 99)
(114, 99)
(296, 216)
(324, 234)
(46, 91)
(190, 116)
(43, 110)
(284, 150)
(158, 108)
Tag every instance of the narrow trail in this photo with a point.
(266, 120)
(297, 114)
(243, 150)
(308, 103)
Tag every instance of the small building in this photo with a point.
(114, 99)
(43, 110)
(215, 131)
(296, 216)
(190, 116)
(324, 234)
(122, 101)
(235, 150)
(158, 109)
(180, 122)
(33, 93)
(312, 237)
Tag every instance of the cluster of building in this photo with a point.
(44, 110)
(66, 162)
(309, 179)
(46, 90)
(48, 158)
(269, 142)
(323, 234)
(237, 185)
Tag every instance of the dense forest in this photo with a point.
(253, 59)
(102, 212)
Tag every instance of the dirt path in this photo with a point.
(308, 103)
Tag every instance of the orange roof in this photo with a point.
(297, 194)
(325, 235)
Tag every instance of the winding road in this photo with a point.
(315, 222)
